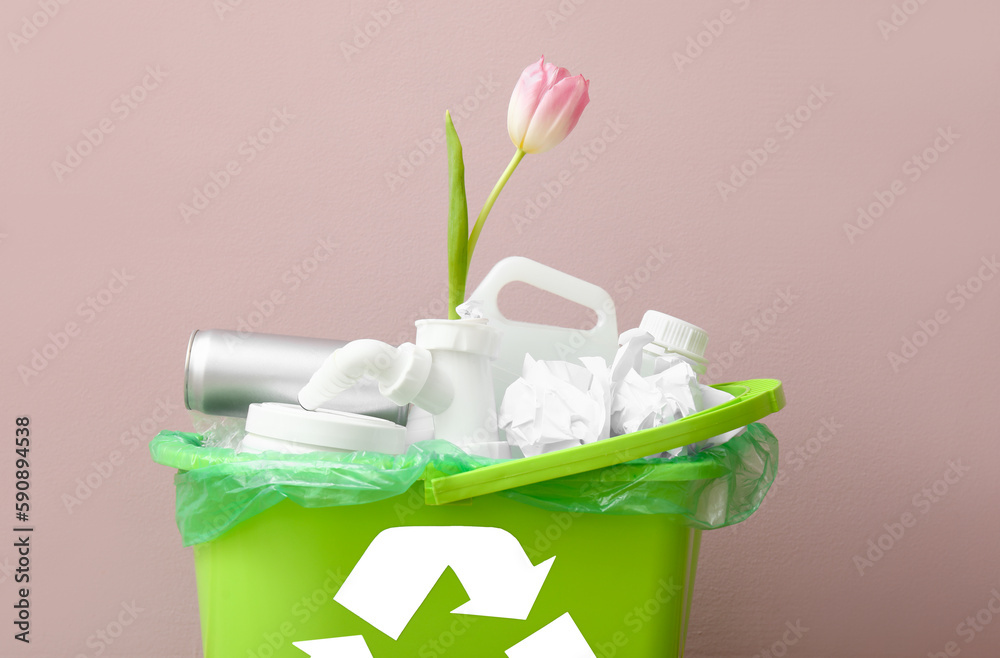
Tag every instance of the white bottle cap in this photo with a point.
(473, 335)
(673, 335)
(325, 428)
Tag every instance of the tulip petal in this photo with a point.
(523, 101)
(556, 114)
(535, 81)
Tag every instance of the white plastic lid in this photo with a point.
(325, 427)
(675, 335)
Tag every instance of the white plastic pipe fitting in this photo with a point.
(402, 374)
(462, 351)
(447, 372)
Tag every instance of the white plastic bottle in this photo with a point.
(672, 336)
(675, 337)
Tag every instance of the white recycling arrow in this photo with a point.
(559, 639)
(401, 566)
(336, 647)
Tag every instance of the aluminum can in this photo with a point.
(227, 371)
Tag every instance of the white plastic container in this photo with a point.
(542, 341)
(289, 428)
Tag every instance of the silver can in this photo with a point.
(227, 371)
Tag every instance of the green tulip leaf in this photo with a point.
(458, 221)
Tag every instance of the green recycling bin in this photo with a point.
(367, 555)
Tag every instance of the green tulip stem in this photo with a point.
(478, 228)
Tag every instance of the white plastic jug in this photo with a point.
(542, 341)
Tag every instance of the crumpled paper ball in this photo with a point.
(639, 403)
(556, 405)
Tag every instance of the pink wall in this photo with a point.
(650, 183)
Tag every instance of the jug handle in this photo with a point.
(524, 270)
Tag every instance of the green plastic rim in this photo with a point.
(753, 400)
(185, 452)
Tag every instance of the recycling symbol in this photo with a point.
(401, 566)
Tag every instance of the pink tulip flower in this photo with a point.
(546, 104)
